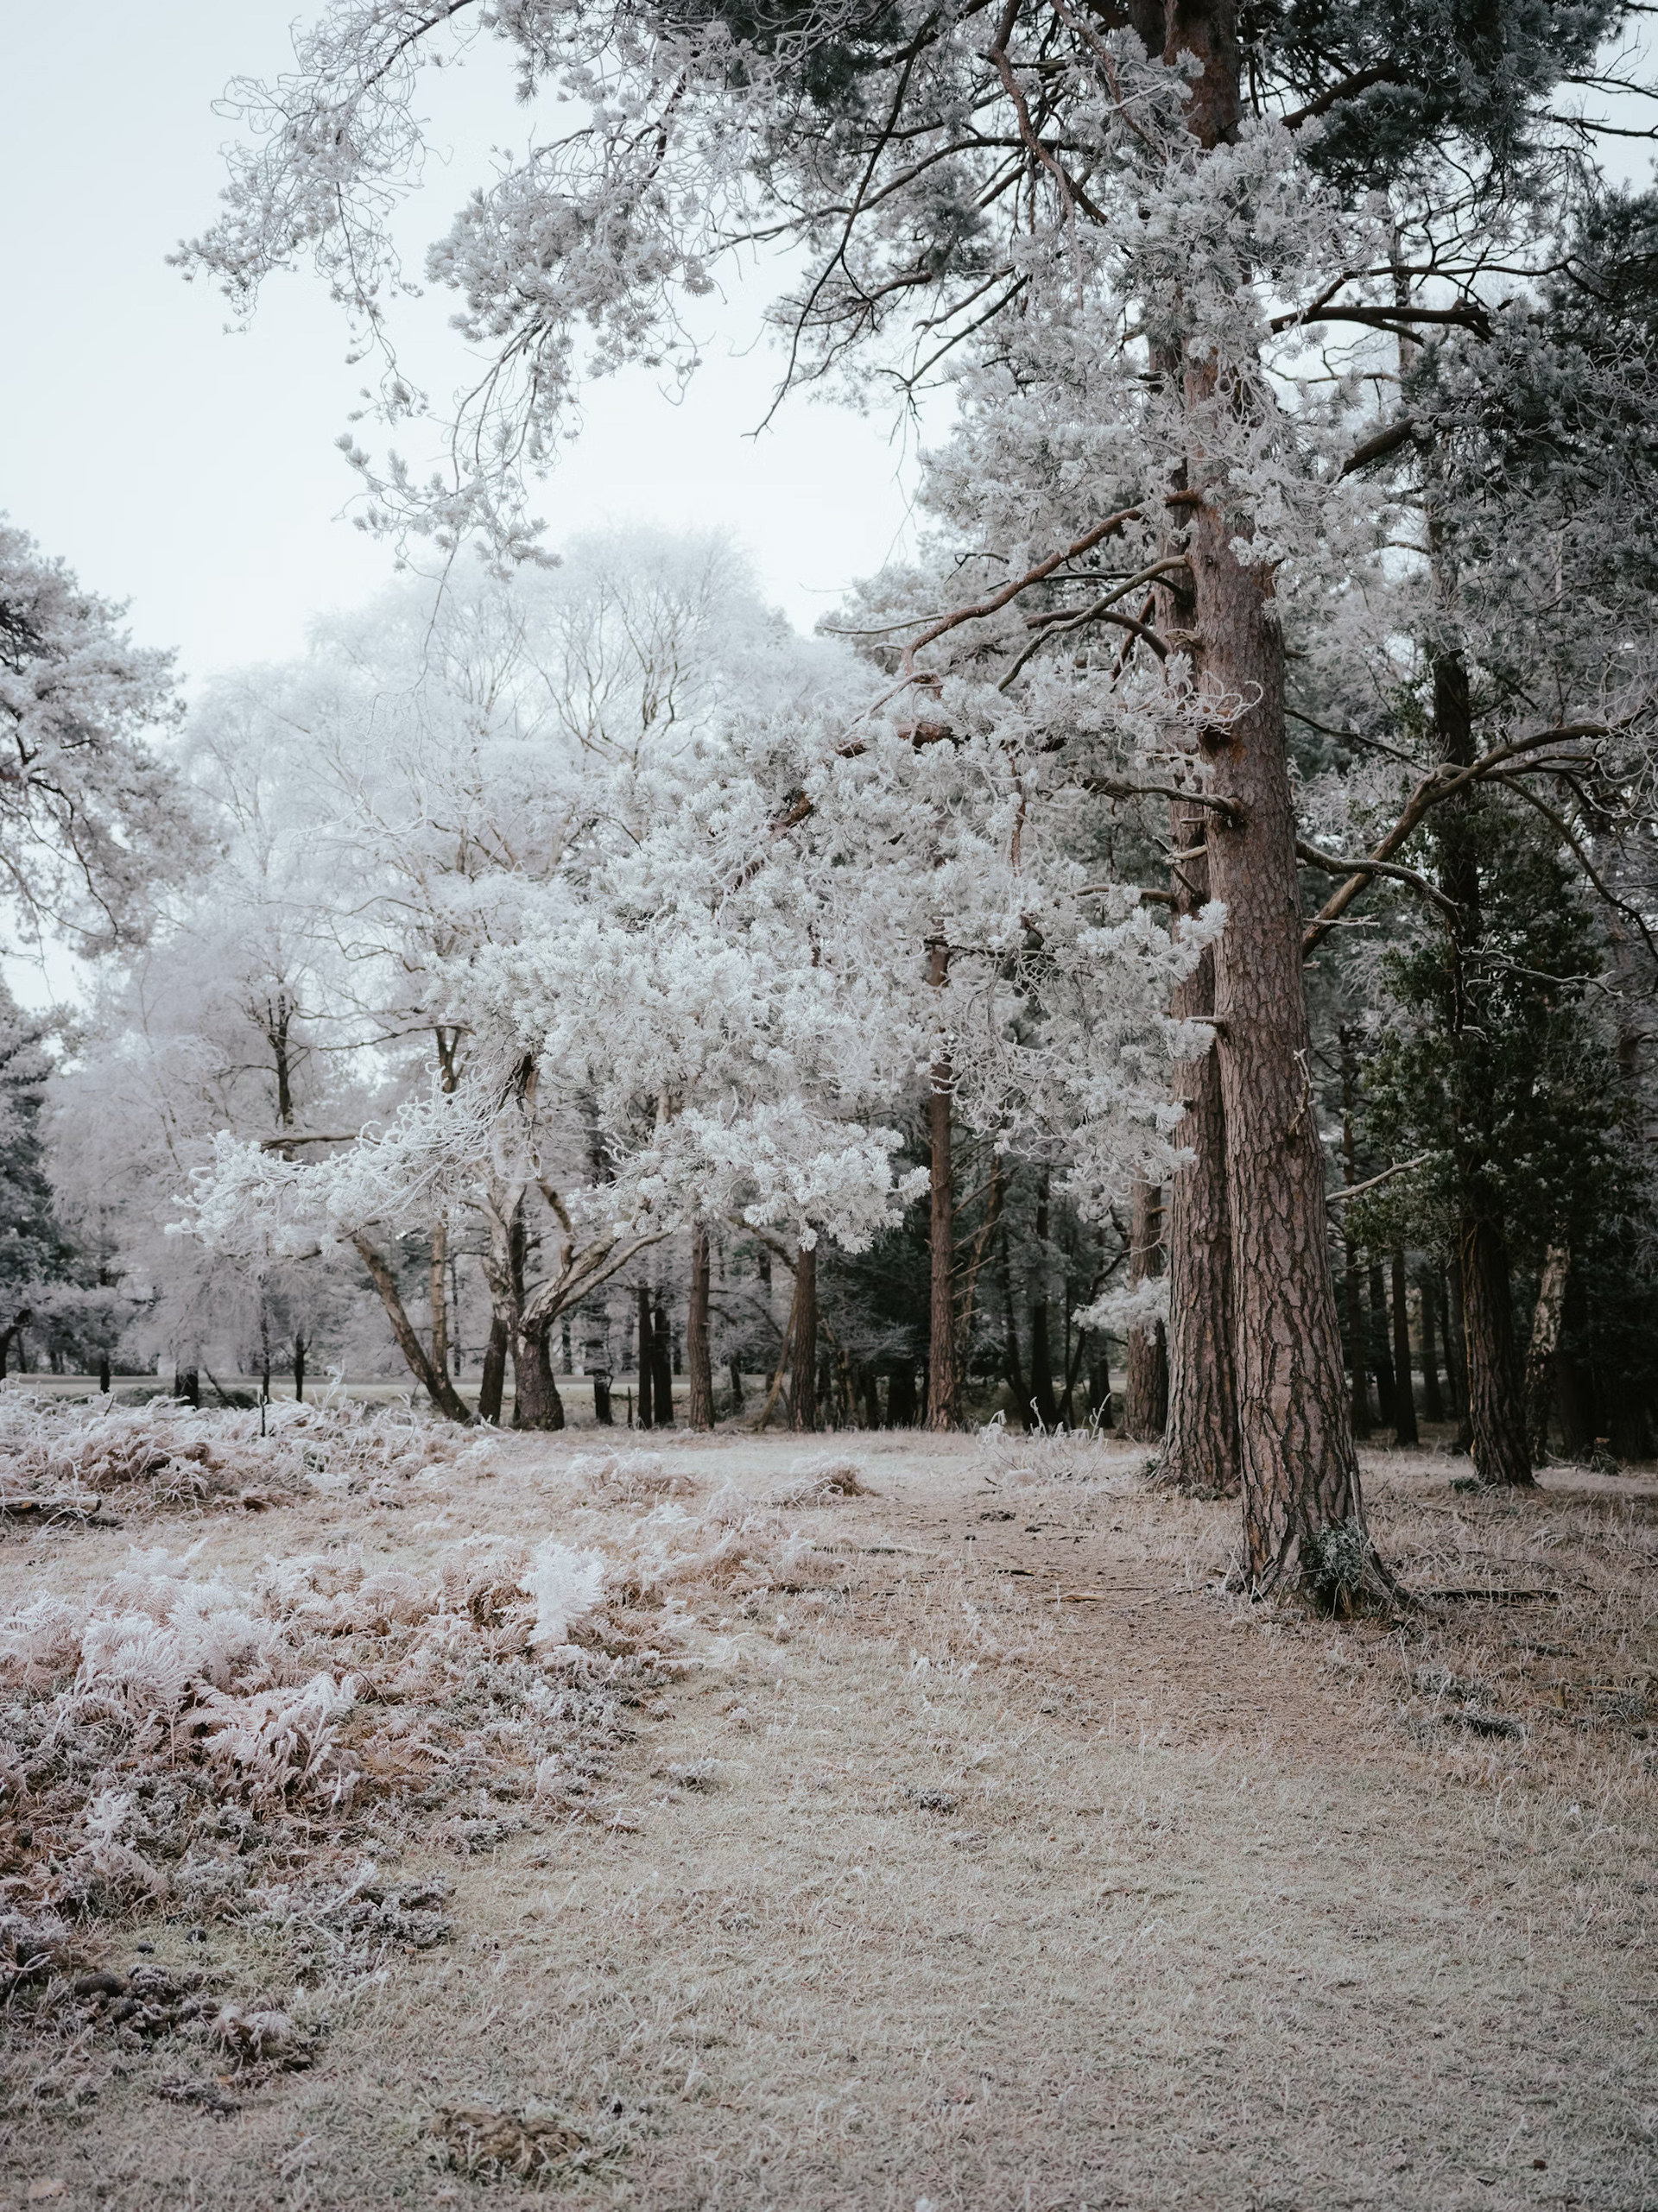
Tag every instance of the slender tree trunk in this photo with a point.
(1579, 1424)
(433, 1380)
(1010, 1328)
(871, 1388)
(1456, 1353)
(736, 1366)
(299, 1367)
(1405, 1430)
(1300, 1470)
(438, 1295)
(803, 1366)
(1495, 1402)
(1432, 1399)
(646, 1361)
(1200, 1442)
(492, 1382)
(696, 1334)
(661, 1345)
(1145, 1397)
(9, 1335)
(1542, 1367)
(943, 1385)
(1381, 1356)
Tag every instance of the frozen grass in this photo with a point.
(967, 1846)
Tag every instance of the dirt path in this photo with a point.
(1000, 1864)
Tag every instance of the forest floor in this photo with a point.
(984, 1854)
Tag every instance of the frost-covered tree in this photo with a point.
(1192, 180)
(91, 816)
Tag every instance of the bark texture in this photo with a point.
(1494, 1400)
(803, 1356)
(1200, 1445)
(661, 1346)
(697, 1358)
(438, 1295)
(1541, 1365)
(1299, 1468)
(1145, 1396)
(943, 1381)
(1404, 1396)
(492, 1383)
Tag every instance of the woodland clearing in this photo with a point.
(951, 1841)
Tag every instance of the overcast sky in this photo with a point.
(193, 472)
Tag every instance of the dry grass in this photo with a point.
(969, 1849)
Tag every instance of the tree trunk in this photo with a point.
(1145, 1397)
(1432, 1399)
(871, 1388)
(943, 1384)
(647, 1361)
(900, 1395)
(1495, 1404)
(434, 1381)
(1300, 1470)
(1358, 1363)
(803, 1356)
(492, 1383)
(1010, 1333)
(437, 1296)
(1404, 1396)
(1540, 1363)
(1201, 1445)
(299, 1370)
(536, 1403)
(1579, 1422)
(9, 1335)
(661, 1345)
(736, 1366)
(696, 1334)
(1381, 1356)
(1457, 1352)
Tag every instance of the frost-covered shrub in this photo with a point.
(174, 1455)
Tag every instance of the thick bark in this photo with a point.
(1300, 1470)
(1200, 1443)
(1432, 1398)
(943, 1382)
(1496, 1412)
(803, 1355)
(1542, 1366)
(697, 1357)
(1495, 1399)
(536, 1400)
(434, 1381)
(646, 1361)
(661, 1345)
(1404, 1396)
(1145, 1397)
(492, 1383)
(437, 1296)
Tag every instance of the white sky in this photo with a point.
(193, 472)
